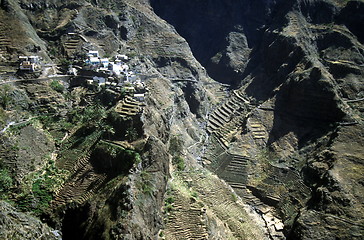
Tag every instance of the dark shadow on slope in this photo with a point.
(354, 24)
(206, 26)
(72, 227)
(307, 107)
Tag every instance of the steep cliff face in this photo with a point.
(301, 63)
(222, 35)
(284, 131)
(17, 225)
(105, 187)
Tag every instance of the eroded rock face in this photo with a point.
(222, 35)
(102, 201)
(302, 68)
(353, 24)
(18, 225)
(288, 137)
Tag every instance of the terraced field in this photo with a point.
(84, 180)
(187, 220)
(129, 107)
(72, 44)
(201, 198)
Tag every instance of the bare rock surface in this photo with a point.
(268, 95)
(18, 225)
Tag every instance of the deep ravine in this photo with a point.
(224, 119)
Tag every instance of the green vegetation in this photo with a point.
(137, 158)
(93, 115)
(176, 149)
(116, 151)
(65, 62)
(107, 130)
(145, 185)
(5, 98)
(15, 129)
(133, 155)
(131, 134)
(6, 180)
(38, 188)
(56, 126)
(57, 86)
(234, 197)
(42, 193)
(3, 116)
(54, 122)
(194, 194)
(53, 51)
(125, 127)
(179, 162)
(176, 145)
(168, 208)
(168, 201)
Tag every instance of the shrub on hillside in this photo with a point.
(57, 86)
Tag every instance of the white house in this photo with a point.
(99, 80)
(121, 57)
(139, 97)
(104, 62)
(115, 68)
(93, 54)
(130, 76)
(93, 60)
(125, 68)
(29, 63)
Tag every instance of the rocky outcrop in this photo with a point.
(222, 35)
(286, 135)
(353, 8)
(24, 39)
(297, 73)
(18, 225)
(103, 201)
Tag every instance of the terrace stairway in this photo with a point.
(129, 107)
(187, 220)
(224, 121)
(235, 170)
(5, 45)
(257, 130)
(72, 44)
(220, 201)
(84, 182)
(231, 166)
(5, 41)
(248, 197)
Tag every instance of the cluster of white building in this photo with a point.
(29, 63)
(121, 78)
(117, 67)
(116, 74)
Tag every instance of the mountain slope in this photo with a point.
(252, 126)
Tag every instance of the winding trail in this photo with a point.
(38, 79)
(12, 123)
